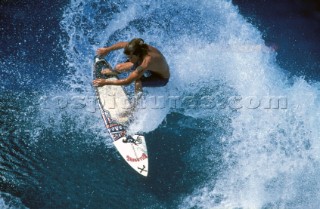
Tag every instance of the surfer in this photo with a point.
(148, 66)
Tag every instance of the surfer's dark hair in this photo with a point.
(136, 47)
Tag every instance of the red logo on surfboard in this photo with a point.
(143, 157)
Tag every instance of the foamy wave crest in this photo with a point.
(273, 138)
(8, 201)
(264, 123)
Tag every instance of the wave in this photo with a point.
(254, 127)
(8, 201)
(267, 126)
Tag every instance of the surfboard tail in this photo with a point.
(134, 150)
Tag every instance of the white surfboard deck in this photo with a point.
(135, 153)
(115, 101)
(114, 107)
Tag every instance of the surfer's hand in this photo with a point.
(99, 82)
(102, 51)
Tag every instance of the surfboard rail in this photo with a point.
(114, 104)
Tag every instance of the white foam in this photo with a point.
(211, 48)
(8, 201)
(269, 148)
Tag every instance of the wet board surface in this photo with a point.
(114, 106)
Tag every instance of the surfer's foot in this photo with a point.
(108, 72)
(127, 113)
(136, 99)
(138, 95)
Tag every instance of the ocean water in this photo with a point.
(236, 127)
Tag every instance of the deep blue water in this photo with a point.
(205, 151)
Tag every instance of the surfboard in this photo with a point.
(114, 106)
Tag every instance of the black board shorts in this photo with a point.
(153, 80)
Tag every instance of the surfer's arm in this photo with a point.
(122, 82)
(136, 74)
(105, 50)
(119, 45)
(126, 81)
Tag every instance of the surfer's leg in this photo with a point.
(153, 80)
(134, 104)
(138, 86)
(136, 99)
